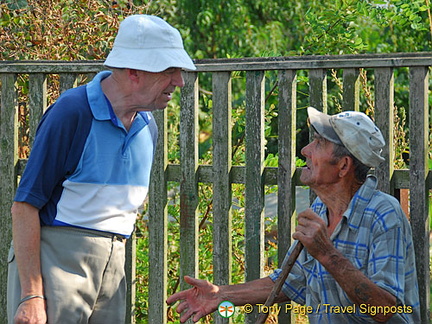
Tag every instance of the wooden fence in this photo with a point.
(316, 70)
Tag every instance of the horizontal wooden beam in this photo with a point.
(305, 62)
(237, 175)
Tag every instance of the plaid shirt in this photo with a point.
(375, 236)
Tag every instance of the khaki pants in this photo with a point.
(83, 275)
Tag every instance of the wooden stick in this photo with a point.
(286, 269)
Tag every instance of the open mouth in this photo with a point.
(307, 166)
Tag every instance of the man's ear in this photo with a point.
(345, 164)
(133, 75)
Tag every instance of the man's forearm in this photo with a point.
(26, 240)
(359, 288)
(252, 292)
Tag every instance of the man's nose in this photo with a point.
(177, 79)
(305, 150)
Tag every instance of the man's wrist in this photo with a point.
(28, 297)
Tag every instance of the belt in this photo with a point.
(114, 237)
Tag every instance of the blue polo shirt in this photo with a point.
(85, 169)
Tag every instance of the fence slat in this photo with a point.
(317, 99)
(384, 115)
(37, 101)
(67, 81)
(351, 89)
(287, 115)
(419, 149)
(189, 183)
(158, 238)
(130, 272)
(8, 180)
(222, 196)
(318, 89)
(254, 186)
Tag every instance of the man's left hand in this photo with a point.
(312, 232)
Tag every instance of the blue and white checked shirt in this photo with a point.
(375, 236)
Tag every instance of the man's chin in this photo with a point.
(162, 107)
(304, 176)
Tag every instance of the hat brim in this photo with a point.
(321, 124)
(150, 60)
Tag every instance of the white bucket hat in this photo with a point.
(148, 43)
(352, 129)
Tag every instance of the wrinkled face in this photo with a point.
(321, 167)
(154, 90)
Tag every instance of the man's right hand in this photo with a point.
(198, 301)
(32, 311)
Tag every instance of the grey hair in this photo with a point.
(360, 170)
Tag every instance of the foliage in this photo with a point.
(84, 29)
(271, 28)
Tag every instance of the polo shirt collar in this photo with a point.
(100, 106)
(96, 98)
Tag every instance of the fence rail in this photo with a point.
(222, 174)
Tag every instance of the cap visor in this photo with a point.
(321, 124)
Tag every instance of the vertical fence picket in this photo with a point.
(130, 272)
(254, 186)
(67, 81)
(318, 89)
(37, 101)
(351, 89)
(384, 110)
(287, 115)
(158, 234)
(317, 98)
(189, 178)
(8, 180)
(419, 169)
(87, 77)
(222, 196)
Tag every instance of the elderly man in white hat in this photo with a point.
(358, 263)
(87, 174)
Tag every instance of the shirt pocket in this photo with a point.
(357, 254)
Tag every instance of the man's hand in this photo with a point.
(312, 232)
(26, 242)
(198, 301)
(32, 311)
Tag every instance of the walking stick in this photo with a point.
(286, 269)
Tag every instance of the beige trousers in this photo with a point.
(83, 275)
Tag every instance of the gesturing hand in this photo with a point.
(198, 301)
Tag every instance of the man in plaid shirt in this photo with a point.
(358, 264)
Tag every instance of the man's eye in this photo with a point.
(170, 70)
